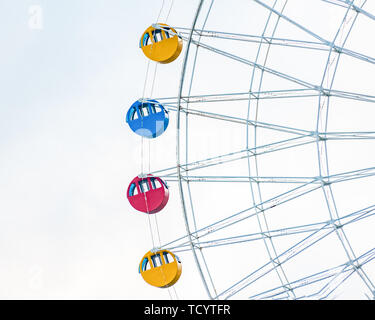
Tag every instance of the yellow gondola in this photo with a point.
(160, 45)
(160, 269)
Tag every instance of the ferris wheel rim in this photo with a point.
(178, 162)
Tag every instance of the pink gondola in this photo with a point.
(148, 194)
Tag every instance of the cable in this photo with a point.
(170, 8)
(161, 9)
(155, 234)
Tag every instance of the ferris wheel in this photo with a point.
(275, 151)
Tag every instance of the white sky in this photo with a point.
(68, 77)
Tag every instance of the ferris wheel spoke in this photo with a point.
(254, 210)
(257, 39)
(336, 3)
(349, 175)
(248, 213)
(349, 5)
(350, 95)
(253, 64)
(354, 135)
(171, 102)
(284, 17)
(256, 179)
(326, 180)
(238, 120)
(226, 97)
(283, 198)
(354, 54)
(323, 46)
(170, 173)
(303, 83)
(329, 44)
(238, 155)
(181, 244)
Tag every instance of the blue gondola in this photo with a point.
(148, 118)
